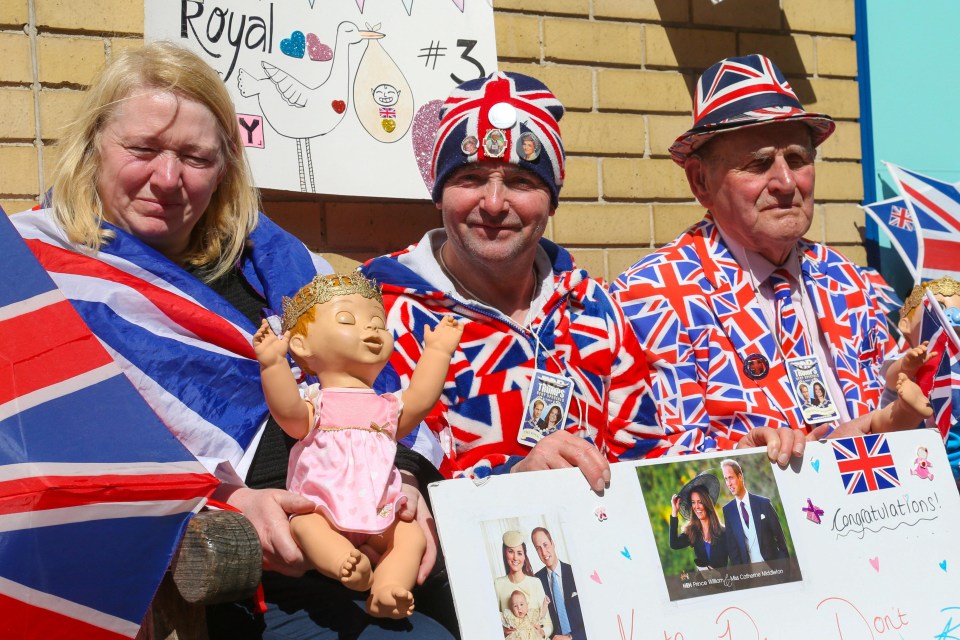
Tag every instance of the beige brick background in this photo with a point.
(623, 68)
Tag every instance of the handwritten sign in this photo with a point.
(339, 96)
(830, 556)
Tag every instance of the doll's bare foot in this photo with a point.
(390, 602)
(910, 393)
(356, 572)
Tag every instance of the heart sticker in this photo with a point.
(294, 45)
(316, 49)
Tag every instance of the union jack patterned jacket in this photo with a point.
(696, 314)
(582, 334)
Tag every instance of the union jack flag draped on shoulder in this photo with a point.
(94, 490)
(186, 349)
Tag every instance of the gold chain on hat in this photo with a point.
(324, 288)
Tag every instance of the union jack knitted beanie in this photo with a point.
(505, 117)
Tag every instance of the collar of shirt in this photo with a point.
(423, 259)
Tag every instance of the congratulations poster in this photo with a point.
(336, 96)
(857, 542)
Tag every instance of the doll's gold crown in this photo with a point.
(323, 289)
(945, 286)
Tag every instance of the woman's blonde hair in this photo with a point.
(218, 238)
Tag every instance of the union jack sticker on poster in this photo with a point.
(865, 463)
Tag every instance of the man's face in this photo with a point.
(734, 482)
(805, 392)
(494, 212)
(537, 410)
(544, 546)
(758, 183)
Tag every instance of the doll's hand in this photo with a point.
(916, 358)
(270, 349)
(445, 336)
(415, 508)
(268, 511)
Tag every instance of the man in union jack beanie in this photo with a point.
(740, 311)
(535, 326)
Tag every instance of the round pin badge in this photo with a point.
(470, 145)
(502, 115)
(494, 143)
(756, 366)
(528, 147)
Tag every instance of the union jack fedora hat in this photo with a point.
(505, 117)
(744, 92)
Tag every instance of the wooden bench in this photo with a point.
(219, 560)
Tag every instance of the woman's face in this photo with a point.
(554, 416)
(697, 505)
(818, 392)
(515, 558)
(160, 163)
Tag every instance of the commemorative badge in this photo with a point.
(545, 410)
(810, 391)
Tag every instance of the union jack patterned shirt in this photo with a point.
(695, 312)
(582, 335)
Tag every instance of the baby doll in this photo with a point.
(947, 292)
(526, 621)
(335, 329)
(911, 406)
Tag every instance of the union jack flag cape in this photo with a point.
(94, 491)
(186, 349)
(579, 332)
(923, 224)
(940, 377)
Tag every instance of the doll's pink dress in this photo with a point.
(345, 464)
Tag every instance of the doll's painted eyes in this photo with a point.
(345, 317)
(377, 322)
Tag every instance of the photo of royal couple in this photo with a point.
(536, 591)
(713, 540)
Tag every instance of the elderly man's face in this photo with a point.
(758, 183)
(494, 212)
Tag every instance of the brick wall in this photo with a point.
(623, 68)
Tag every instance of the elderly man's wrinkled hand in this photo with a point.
(781, 444)
(562, 450)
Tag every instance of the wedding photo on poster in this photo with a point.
(725, 528)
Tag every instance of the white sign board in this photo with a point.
(336, 96)
(867, 547)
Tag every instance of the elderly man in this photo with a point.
(535, 327)
(739, 310)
